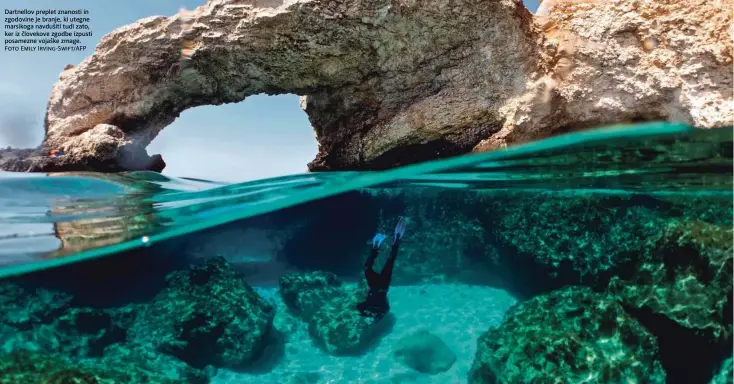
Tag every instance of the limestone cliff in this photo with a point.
(389, 82)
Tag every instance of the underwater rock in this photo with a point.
(424, 352)
(340, 329)
(572, 333)
(550, 240)
(86, 332)
(25, 367)
(725, 375)
(393, 83)
(46, 325)
(23, 309)
(330, 310)
(305, 293)
(685, 275)
(142, 359)
(528, 243)
(206, 316)
(93, 337)
(681, 291)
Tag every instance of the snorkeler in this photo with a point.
(376, 305)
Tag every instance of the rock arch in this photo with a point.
(387, 82)
(361, 63)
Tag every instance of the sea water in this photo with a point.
(601, 256)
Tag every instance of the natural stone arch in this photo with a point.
(395, 81)
(360, 62)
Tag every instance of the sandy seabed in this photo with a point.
(456, 313)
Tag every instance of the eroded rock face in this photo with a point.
(685, 275)
(609, 62)
(571, 333)
(389, 82)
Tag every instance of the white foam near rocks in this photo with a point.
(456, 313)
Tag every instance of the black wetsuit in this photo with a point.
(376, 305)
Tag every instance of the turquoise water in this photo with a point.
(600, 256)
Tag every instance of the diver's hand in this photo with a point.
(400, 228)
(377, 240)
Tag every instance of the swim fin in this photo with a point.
(378, 239)
(400, 227)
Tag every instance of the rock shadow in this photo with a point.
(272, 355)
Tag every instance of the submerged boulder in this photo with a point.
(340, 329)
(330, 310)
(206, 316)
(681, 289)
(87, 332)
(40, 338)
(25, 367)
(386, 83)
(306, 293)
(573, 334)
(424, 352)
(686, 276)
(45, 321)
(22, 308)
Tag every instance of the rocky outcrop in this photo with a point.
(681, 288)
(624, 61)
(574, 238)
(686, 275)
(573, 334)
(39, 160)
(47, 339)
(206, 316)
(388, 82)
(22, 309)
(330, 310)
(667, 259)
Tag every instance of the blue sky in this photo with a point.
(263, 136)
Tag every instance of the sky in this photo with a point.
(262, 136)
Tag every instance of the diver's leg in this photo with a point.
(369, 272)
(386, 274)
